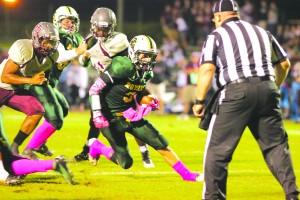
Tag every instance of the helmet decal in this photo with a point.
(66, 12)
(45, 38)
(142, 51)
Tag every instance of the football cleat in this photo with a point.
(44, 150)
(200, 177)
(12, 180)
(60, 165)
(194, 177)
(94, 161)
(82, 156)
(147, 160)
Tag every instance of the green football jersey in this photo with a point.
(69, 42)
(123, 83)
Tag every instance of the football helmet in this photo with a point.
(103, 23)
(142, 52)
(64, 12)
(45, 38)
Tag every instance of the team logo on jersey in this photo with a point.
(134, 87)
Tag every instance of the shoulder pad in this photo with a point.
(115, 44)
(121, 67)
(21, 51)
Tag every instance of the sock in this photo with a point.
(85, 149)
(143, 148)
(184, 172)
(27, 166)
(3, 173)
(41, 135)
(93, 133)
(97, 148)
(21, 136)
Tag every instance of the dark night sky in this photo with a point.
(43, 9)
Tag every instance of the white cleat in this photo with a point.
(200, 177)
(148, 164)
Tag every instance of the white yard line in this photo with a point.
(159, 173)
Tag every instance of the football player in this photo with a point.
(32, 58)
(19, 166)
(66, 20)
(105, 44)
(121, 87)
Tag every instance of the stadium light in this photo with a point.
(10, 3)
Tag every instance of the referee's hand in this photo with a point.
(198, 110)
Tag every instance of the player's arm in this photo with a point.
(68, 55)
(103, 81)
(10, 75)
(84, 59)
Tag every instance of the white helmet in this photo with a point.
(41, 32)
(103, 19)
(64, 12)
(142, 51)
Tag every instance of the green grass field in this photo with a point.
(249, 178)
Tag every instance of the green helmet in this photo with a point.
(64, 12)
(142, 44)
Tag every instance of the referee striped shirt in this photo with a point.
(239, 50)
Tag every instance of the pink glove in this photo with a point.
(154, 104)
(99, 120)
(136, 115)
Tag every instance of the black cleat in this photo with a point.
(147, 160)
(44, 150)
(81, 156)
(61, 167)
(12, 180)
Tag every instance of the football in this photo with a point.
(146, 99)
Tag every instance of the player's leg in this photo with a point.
(53, 117)
(44, 150)
(34, 112)
(93, 133)
(147, 133)
(147, 162)
(118, 152)
(24, 166)
(5, 177)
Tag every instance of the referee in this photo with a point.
(249, 65)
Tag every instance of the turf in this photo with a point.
(248, 179)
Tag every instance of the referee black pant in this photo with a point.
(253, 103)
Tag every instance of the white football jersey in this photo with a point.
(102, 52)
(21, 52)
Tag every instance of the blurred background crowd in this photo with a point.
(180, 27)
